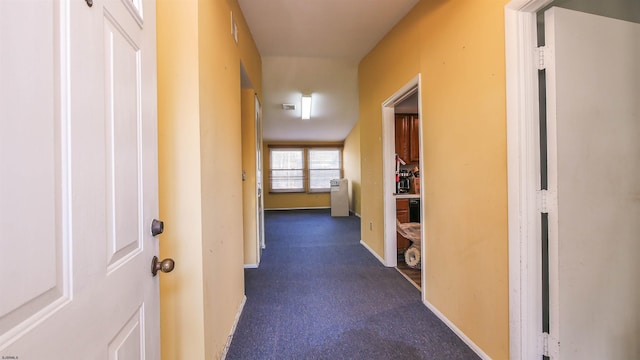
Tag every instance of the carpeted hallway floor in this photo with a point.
(319, 294)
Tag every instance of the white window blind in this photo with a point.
(324, 165)
(287, 170)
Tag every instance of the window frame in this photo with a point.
(306, 170)
(271, 170)
(309, 169)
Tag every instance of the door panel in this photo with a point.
(122, 106)
(78, 152)
(593, 87)
(127, 343)
(32, 185)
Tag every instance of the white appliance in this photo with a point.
(339, 197)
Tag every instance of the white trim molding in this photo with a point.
(299, 208)
(372, 252)
(523, 176)
(457, 331)
(233, 328)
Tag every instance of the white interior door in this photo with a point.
(260, 199)
(593, 88)
(78, 190)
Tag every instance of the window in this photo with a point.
(287, 170)
(304, 169)
(324, 165)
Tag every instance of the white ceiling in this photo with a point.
(314, 46)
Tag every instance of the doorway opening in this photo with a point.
(402, 165)
(253, 202)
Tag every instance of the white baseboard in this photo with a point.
(233, 328)
(299, 208)
(356, 214)
(373, 252)
(250, 266)
(457, 331)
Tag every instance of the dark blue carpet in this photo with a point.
(319, 294)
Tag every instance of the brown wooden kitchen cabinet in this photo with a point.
(414, 139)
(402, 213)
(402, 137)
(402, 210)
(407, 129)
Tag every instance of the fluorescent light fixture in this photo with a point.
(306, 107)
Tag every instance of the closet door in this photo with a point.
(593, 87)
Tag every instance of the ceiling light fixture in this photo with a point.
(306, 107)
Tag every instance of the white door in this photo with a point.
(593, 92)
(260, 199)
(78, 184)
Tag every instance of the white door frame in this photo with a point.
(523, 177)
(388, 169)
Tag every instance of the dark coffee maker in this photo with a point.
(403, 184)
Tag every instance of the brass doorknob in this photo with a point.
(165, 265)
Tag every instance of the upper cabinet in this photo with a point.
(402, 137)
(414, 139)
(408, 137)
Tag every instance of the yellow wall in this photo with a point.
(351, 161)
(292, 200)
(458, 47)
(199, 116)
(182, 309)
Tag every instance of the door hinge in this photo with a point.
(548, 346)
(547, 201)
(540, 58)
